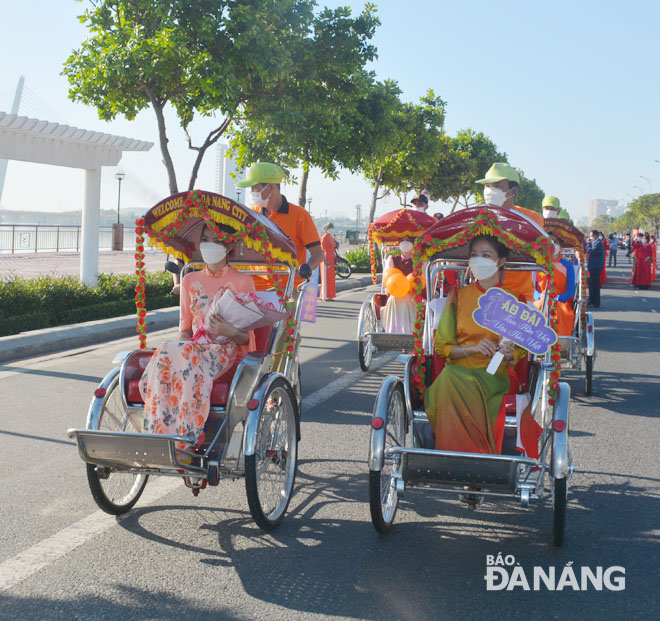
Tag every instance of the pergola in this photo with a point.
(43, 142)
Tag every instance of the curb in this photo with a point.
(49, 340)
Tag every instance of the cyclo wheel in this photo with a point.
(342, 267)
(114, 492)
(589, 371)
(383, 496)
(270, 473)
(559, 512)
(368, 323)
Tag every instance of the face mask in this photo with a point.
(212, 253)
(494, 196)
(482, 267)
(405, 246)
(257, 200)
(645, 241)
(549, 213)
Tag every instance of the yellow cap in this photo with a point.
(551, 201)
(500, 171)
(262, 172)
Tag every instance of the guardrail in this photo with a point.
(26, 238)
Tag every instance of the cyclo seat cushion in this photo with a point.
(380, 299)
(138, 360)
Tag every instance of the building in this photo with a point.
(226, 173)
(602, 207)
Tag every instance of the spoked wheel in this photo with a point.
(342, 267)
(115, 492)
(271, 471)
(589, 371)
(368, 324)
(559, 512)
(383, 496)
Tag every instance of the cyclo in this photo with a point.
(402, 453)
(253, 427)
(386, 232)
(580, 346)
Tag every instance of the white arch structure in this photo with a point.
(43, 142)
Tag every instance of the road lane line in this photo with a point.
(325, 393)
(20, 567)
(15, 570)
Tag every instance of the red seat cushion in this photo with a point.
(380, 299)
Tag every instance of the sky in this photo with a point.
(568, 89)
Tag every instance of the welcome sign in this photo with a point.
(503, 314)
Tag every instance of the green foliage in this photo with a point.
(205, 57)
(603, 223)
(530, 195)
(359, 260)
(47, 301)
(643, 212)
(309, 123)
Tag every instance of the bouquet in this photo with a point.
(245, 311)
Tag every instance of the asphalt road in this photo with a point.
(175, 556)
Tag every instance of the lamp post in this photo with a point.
(118, 228)
(647, 181)
(120, 175)
(309, 202)
(641, 191)
(238, 195)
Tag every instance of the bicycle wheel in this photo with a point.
(270, 473)
(367, 325)
(342, 267)
(115, 492)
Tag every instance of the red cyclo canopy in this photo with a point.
(394, 225)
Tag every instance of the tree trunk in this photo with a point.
(162, 139)
(302, 191)
(453, 206)
(374, 196)
(211, 139)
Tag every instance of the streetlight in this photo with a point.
(641, 191)
(120, 175)
(309, 202)
(238, 195)
(647, 181)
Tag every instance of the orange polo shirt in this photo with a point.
(522, 282)
(300, 228)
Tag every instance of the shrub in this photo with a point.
(48, 301)
(358, 259)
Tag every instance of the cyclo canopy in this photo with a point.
(175, 226)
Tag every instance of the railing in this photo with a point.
(24, 238)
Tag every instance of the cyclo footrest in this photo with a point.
(123, 450)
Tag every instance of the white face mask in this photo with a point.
(550, 213)
(494, 196)
(405, 246)
(482, 267)
(256, 199)
(212, 253)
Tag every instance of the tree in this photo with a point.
(644, 212)
(309, 122)
(462, 160)
(603, 223)
(530, 195)
(202, 57)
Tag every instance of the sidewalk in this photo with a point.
(40, 342)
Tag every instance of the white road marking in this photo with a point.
(653, 310)
(20, 567)
(15, 570)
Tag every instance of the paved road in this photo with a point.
(175, 556)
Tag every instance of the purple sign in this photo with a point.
(309, 299)
(501, 313)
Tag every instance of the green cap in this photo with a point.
(499, 171)
(262, 172)
(551, 201)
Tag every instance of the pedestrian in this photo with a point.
(551, 207)
(595, 264)
(627, 242)
(614, 242)
(328, 244)
(421, 201)
(642, 272)
(606, 248)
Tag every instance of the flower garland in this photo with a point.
(486, 223)
(372, 252)
(253, 234)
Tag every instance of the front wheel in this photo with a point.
(271, 471)
(559, 512)
(589, 371)
(383, 495)
(115, 492)
(342, 267)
